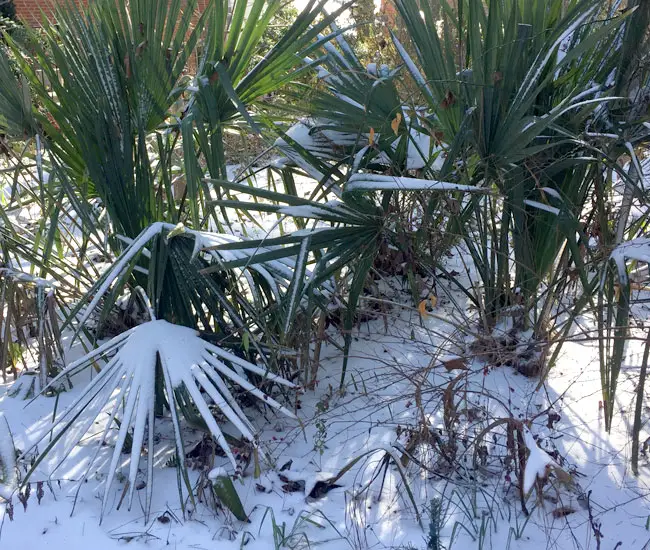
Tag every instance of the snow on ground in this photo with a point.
(394, 379)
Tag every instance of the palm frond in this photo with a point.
(114, 69)
(16, 118)
(188, 365)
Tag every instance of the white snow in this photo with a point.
(385, 362)
(536, 463)
(636, 249)
(216, 473)
(542, 206)
(301, 133)
(551, 191)
(303, 211)
(375, 182)
(8, 472)
(26, 278)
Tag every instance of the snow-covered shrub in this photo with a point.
(180, 360)
(194, 373)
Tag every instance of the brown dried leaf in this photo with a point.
(449, 100)
(395, 123)
(39, 491)
(563, 511)
(23, 496)
(455, 364)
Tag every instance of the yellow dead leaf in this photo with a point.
(178, 230)
(395, 124)
(431, 302)
(371, 137)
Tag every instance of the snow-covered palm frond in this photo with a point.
(284, 269)
(636, 249)
(276, 273)
(614, 320)
(357, 114)
(377, 182)
(320, 138)
(127, 386)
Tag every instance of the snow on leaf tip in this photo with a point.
(536, 463)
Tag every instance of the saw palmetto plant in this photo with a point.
(343, 242)
(114, 69)
(229, 95)
(192, 343)
(524, 79)
(526, 101)
(505, 91)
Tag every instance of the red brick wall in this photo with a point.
(30, 11)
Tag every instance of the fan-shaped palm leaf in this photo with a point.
(15, 102)
(113, 70)
(358, 117)
(225, 252)
(189, 365)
